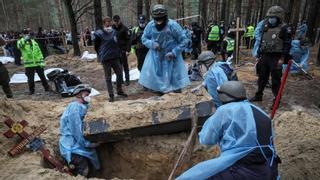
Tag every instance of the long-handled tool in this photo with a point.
(304, 71)
(189, 144)
(283, 82)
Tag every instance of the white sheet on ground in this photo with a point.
(22, 78)
(6, 59)
(88, 57)
(134, 75)
(94, 92)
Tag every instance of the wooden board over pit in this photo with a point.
(165, 114)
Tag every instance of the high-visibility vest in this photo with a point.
(31, 53)
(214, 34)
(230, 44)
(250, 32)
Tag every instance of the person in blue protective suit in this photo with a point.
(216, 75)
(164, 69)
(244, 134)
(299, 52)
(302, 30)
(76, 150)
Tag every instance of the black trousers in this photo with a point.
(213, 46)
(116, 66)
(30, 71)
(125, 65)
(249, 43)
(196, 50)
(141, 55)
(81, 165)
(268, 64)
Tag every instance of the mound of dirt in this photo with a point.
(298, 144)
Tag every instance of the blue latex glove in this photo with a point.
(155, 46)
(170, 55)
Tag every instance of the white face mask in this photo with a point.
(87, 99)
(108, 29)
(142, 25)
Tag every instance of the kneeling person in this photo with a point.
(244, 134)
(76, 150)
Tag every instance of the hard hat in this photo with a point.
(276, 11)
(159, 11)
(205, 56)
(231, 91)
(81, 87)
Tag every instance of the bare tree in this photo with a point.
(312, 20)
(75, 10)
(139, 7)
(147, 5)
(97, 13)
(109, 8)
(204, 12)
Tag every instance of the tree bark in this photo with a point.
(97, 13)
(109, 8)
(248, 17)
(261, 15)
(139, 7)
(204, 10)
(318, 58)
(73, 24)
(238, 8)
(223, 10)
(312, 20)
(5, 14)
(147, 5)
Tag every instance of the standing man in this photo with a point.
(32, 60)
(4, 76)
(140, 49)
(249, 35)
(124, 41)
(107, 48)
(273, 50)
(164, 69)
(244, 135)
(74, 148)
(196, 39)
(214, 37)
(227, 46)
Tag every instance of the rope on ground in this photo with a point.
(188, 148)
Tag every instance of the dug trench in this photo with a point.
(296, 126)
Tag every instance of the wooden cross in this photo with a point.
(237, 30)
(18, 128)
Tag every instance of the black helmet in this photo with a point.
(159, 11)
(231, 91)
(81, 87)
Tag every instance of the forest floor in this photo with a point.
(296, 124)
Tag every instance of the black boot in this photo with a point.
(121, 93)
(111, 98)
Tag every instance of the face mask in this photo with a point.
(160, 25)
(87, 99)
(142, 25)
(273, 20)
(108, 29)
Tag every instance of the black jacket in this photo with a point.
(123, 36)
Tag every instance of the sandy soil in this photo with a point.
(297, 125)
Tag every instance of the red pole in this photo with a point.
(283, 82)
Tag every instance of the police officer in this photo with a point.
(196, 39)
(249, 35)
(273, 50)
(33, 61)
(213, 37)
(227, 45)
(124, 41)
(140, 49)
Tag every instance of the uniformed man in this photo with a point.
(273, 50)
(227, 46)
(213, 37)
(140, 49)
(249, 35)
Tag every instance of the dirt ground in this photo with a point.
(297, 124)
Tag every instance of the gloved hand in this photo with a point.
(170, 56)
(155, 46)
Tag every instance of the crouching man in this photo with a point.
(76, 150)
(244, 134)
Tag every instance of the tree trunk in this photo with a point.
(261, 15)
(216, 14)
(109, 8)
(73, 24)
(5, 14)
(223, 10)
(312, 20)
(139, 7)
(318, 58)
(227, 13)
(248, 17)
(147, 8)
(97, 13)
(160, 1)
(204, 10)
(289, 10)
(238, 8)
